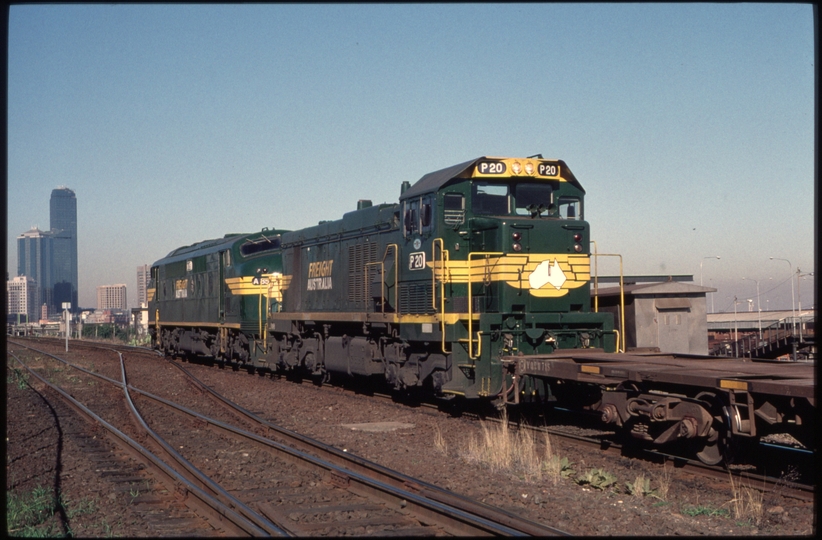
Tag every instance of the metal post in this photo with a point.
(66, 308)
(799, 298)
(700, 275)
(736, 336)
(793, 305)
(758, 308)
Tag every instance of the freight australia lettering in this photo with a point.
(319, 276)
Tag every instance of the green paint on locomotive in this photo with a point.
(212, 297)
(478, 261)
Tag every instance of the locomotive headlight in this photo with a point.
(517, 247)
(578, 248)
(529, 168)
(516, 167)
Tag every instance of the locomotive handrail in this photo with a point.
(486, 254)
(260, 315)
(621, 296)
(382, 278)
(273, 280)
(445, 257)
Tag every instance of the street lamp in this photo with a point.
(799, 298)
(700, 275)
(758, 306)
(736, 336)
(793, 306)
(712, 296)
(700, 265)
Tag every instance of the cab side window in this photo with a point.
(453, 209)
(411, 217)
(569, 208)
(427, 214)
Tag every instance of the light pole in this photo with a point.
(700, 276)
(799, 298)
(758, 307)
(712, 296)
(700, 266)
(736, 336)
(793, 306)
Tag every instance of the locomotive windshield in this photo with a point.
(535, 199)
(490, 199)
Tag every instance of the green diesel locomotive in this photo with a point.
(476, 262)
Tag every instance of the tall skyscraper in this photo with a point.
(63, 217)
(34, 256)
(142, 285)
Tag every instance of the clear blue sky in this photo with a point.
(691, 126)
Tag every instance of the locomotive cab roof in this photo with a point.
(435, 180)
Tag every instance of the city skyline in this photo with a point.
(690, 126)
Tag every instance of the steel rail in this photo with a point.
(175, 482)
(206, 482)
(193, 474)
(385, 475)
(464, 517)
(800, 491)
(459, 521)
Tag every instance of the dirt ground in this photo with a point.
(420, 442)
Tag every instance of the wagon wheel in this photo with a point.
(718, 445)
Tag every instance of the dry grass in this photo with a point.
(515, 451)
(747, 503)
(553, 466)
(439, 441)
(664, 482)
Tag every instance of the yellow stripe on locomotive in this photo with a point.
(544, 275)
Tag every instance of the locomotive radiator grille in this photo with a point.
(359, 255)
(415, 298)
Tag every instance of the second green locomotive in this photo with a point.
(481, 260)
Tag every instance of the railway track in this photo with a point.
(607, 442)
(327, 492)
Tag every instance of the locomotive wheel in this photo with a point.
(718, 445)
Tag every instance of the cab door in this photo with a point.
(416, 289)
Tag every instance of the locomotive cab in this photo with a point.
(498, 250)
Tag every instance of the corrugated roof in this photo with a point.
(668, 287)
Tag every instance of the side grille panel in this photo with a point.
(415, 298)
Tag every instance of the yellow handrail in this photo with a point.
(444, 253)
(382, 278)
(486, 254)
(621, 296)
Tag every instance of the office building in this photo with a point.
(22, 293)
(34, 256)
(142, 285)
(63, 222)
(111, 297)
